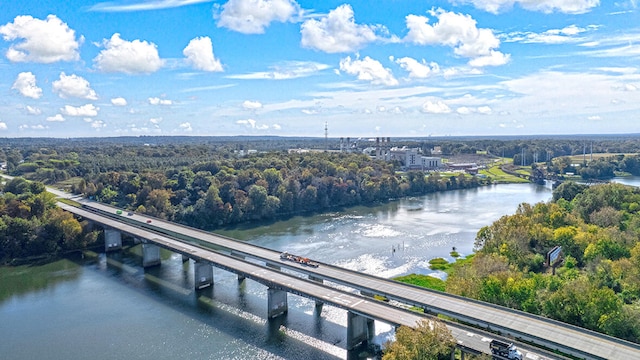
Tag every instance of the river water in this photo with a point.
(105, 306)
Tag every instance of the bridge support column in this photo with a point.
(185, 258)
(150, 255)
(318, 280)
(277, 303)
(359, 330)
(203, 273)
(112, 240)
(241, 277)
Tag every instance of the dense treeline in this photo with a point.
(598, 283)
(32, 225)
(263, 186)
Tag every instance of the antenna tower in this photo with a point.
(326, 136)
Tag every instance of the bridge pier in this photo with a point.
(185, 258)
(318, 280)
(203, 273)
(359, 330)
(241, 277)
(150, 255)
(277, 302)
(112, 240)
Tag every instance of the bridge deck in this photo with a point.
(539, 330)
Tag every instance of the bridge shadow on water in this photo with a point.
(236, 308)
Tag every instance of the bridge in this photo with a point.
(231, 254)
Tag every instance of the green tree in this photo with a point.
(430, 340)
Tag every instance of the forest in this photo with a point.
(597, 285)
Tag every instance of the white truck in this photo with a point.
(505, 350)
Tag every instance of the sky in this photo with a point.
(358, 68)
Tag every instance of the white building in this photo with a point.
(411, 159)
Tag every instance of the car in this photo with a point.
(130, 214)
(148, 221)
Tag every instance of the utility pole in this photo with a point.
(326, 136)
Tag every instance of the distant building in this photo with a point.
(411, 159)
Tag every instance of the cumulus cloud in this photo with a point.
(199, 54)
(129, 57)
(251, 105)
(73, 86)
(185, 126)
(418, 69)
(437, 107)
(337, 32)
(97, 124)
(3, 125)
(253, 16)
(84, 110)
(155, 121)
(25, 84)
(119, 101)
(158, 101)
(368, 69)
(546, 6)
(42, 41)
(459, 32)
(32, 110)
(249, 123)
(56, 118)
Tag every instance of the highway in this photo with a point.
(466, 337)
(538, 330)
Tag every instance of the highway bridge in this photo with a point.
(542, 332)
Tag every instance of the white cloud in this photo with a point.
(186, 126)
(3, 125)
(309, 111)
(437, 107)
(119, 101)
(416, 69)
(143, 6)
(129, 57)
(73, 86)
(286, 70)
(458, 32)
(57, 117)
(368, 69)
(26, 85)
(553, 36)
(546, 6)
(155, 121)
(44, 41)
(32, 110)
(594, 118)
(199, 54)
(84, 110)
(98, 124)
(485, 110)
(463, 110)
(253, 16)
(276, 126)
(158, 101)
(337, 32)
(249, 123)
(251, 105)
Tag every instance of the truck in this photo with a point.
(505, 350)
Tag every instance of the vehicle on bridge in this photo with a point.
(505, 350)
(299, 259)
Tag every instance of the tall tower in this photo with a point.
(326, 136)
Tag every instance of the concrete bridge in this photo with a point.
(536, 330)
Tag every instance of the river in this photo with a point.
(100, 306)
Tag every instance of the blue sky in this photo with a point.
(282, 67)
